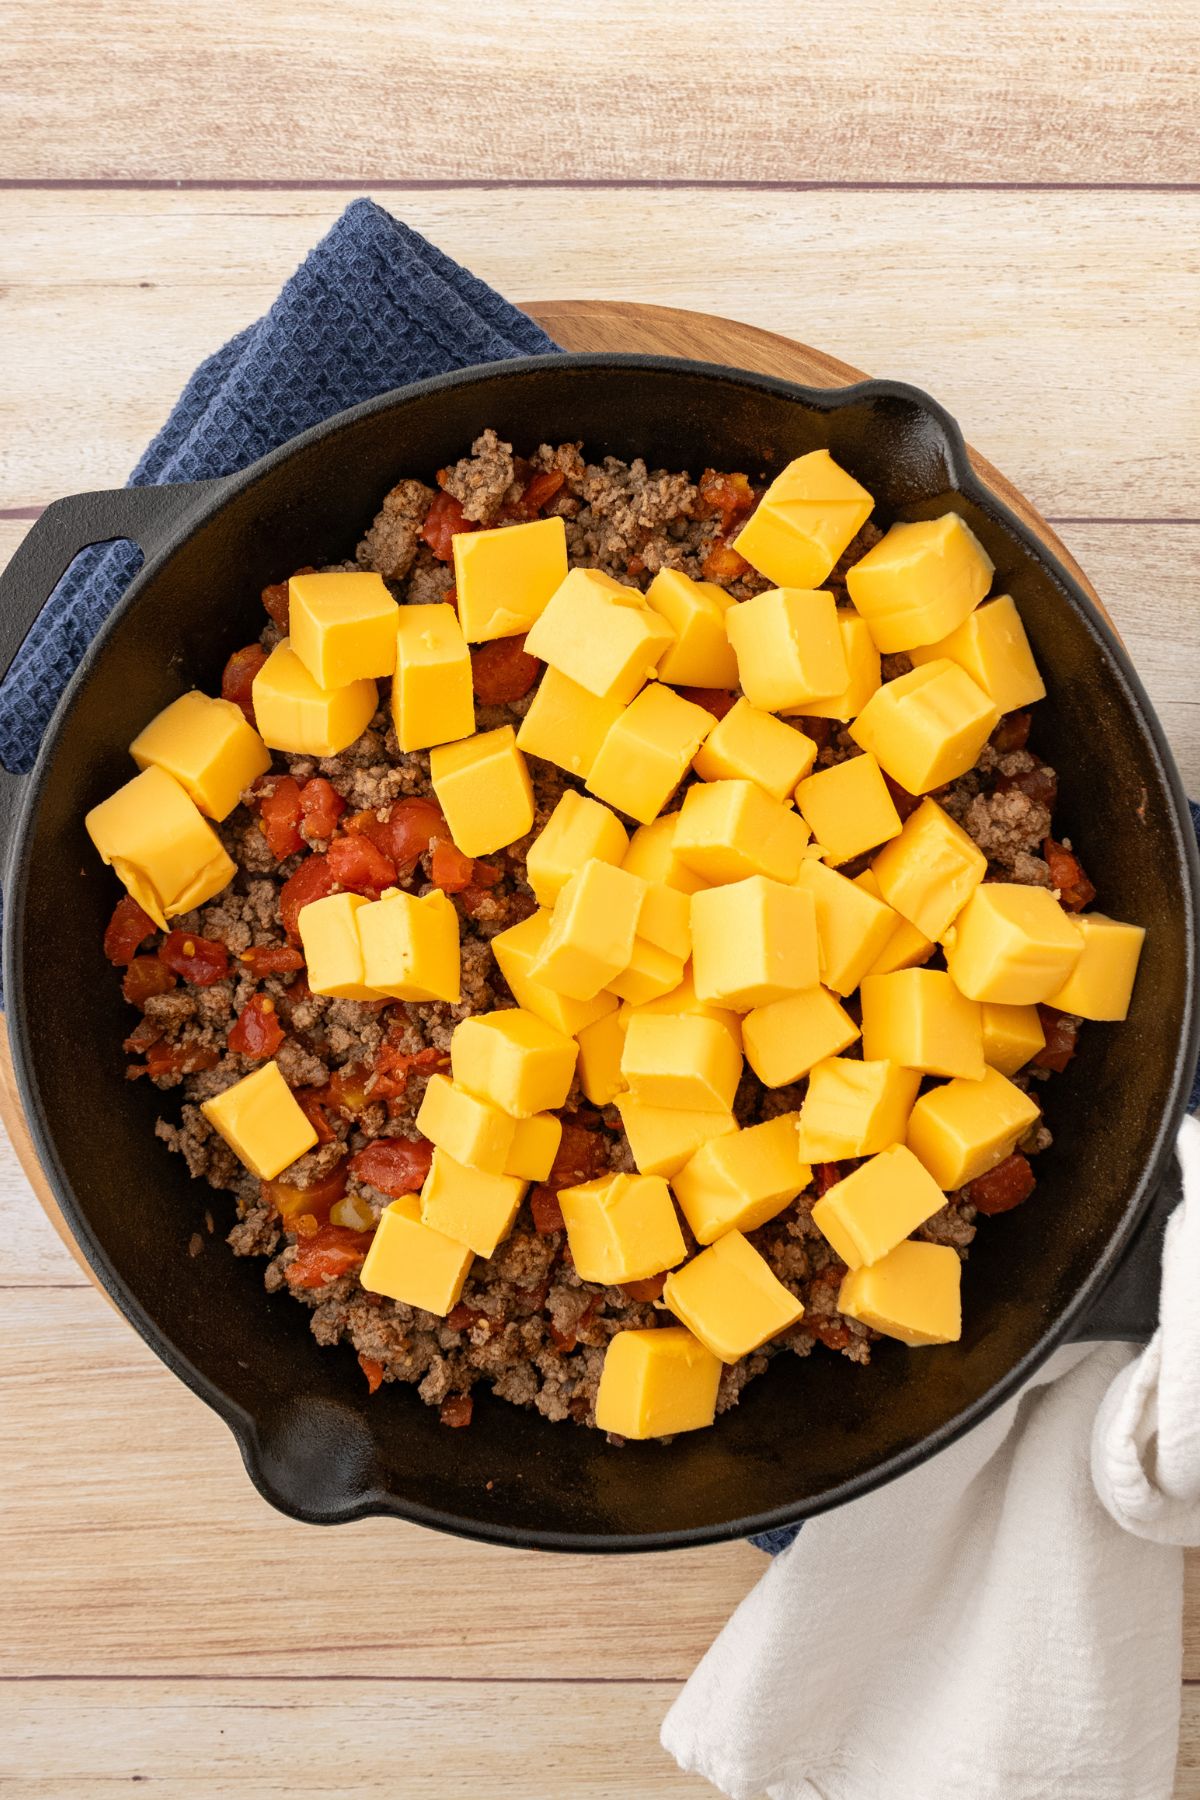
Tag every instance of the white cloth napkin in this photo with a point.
(1001, 1624)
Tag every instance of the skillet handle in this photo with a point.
(1126, 1308)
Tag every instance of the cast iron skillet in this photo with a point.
(811, 1433)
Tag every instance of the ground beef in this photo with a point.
(1006, 825)
(391, 543)
(483, 481)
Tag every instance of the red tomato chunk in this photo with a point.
(450, 869)
(127, 931)
(456, 1411)
(717, 701)
(271, 959)
(238, 680)
(201, 961)
(502, 671)
(311, 881)
(1075, 891)
(280, 813)
(332, 1252)
(1003, 1187)
(372, 1370)
(257, 1031)
(1062, 1039)
(358, 864)
(145, 977)
(321, 806)
(443, 520)
(395, 1166)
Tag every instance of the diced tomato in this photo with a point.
(717, 701)
(311, 1104)
(144, 978)
(1067, 874)
(650, 1289)
(442, 522)
(256, 1032)
(567, 1340)
(825, 1176)
(456, 1411)
(394, 1165)
(726, 496)
(1003, 1187)
(291, 1201)
(372, 1370)
(405, 831)
(905, 803)
(486, 874)
(465, 1318)
(1012, 733)
(275, 599)
(449, 869)
(547, 1213)
(450, 598)
(1062, 1037)
(271, 959)
(280, 812)
(582, 1155)
(333, 1252)
(358, 864)
(127, 931)
(237, 681)
(830, 1332)
(144, 1033)
(635, 566)
(502, 671)
(346, 1092)
(200, 961)
(321, 806)
(311, 881)
(1039, 783)
(723, 564)
(540, 490)
(175, 1059)
(389, 1080)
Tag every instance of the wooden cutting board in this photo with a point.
(617, 326)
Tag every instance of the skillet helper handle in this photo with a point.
(1126, 1307)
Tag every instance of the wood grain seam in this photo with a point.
(349, 1677)
(482, 184)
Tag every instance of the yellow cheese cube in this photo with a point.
(852, 925)
(926, 727)
(661, 1138)
(684, 1061)
(433, 701)
(862, 660)
(661, 947)
(293, 713)
(1011, 943)
(907, 947)
(342, 626)
(872, 1210)
(600, 1047)
(566, 725)
(749, 745)
(804, 521)
(621, 1228)
(592, 931)
(1101, 983)
(650, 972)
(1011, 1036)
(848, 808)
(729, 1299)
(701, 655)
(483, 787)
(917, 1017)
(784, 1040)
(332, 947)
(513, 1059)
(504, 579)
(912, 1293)
(410, 946)
(682, 1000)
(728, 830)
(752, 942)
(992, 647)
(788, 647)
(601, 635)
(471, 1130)
(262, 1122)
(964, 1128)
(656, 1383)
(517, 951)
(647, 751)
(169, 857)
(411, 1262)
(930, 871)
(469, 1205)
(208, 747)
(534, 1147)
(651, 855)
(577, 831)
(855, 1108)
(920, 581)
(737, 1183)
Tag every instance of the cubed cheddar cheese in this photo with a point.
(804, 521)
(683, 999)
(168, 856)
(1011, 1036)
(333, 952)
(657, 1383)
(788, 647)
(701, 655)
(684, 1061)
(651, 971)
(913, 1293)
(651, 855)
(1012, 944)
(862, 661)
(207, 746)
(577, 831)
(411, 1262)
(483, 787)
(749, 745)
(852, 925)
(729, 830)
(917, 1017)
(504, 579)
(907, 947)
(787, 1038)
(513, 1059)
(869, 1212)
(661, 946)
(729, 1299)
(592, 931)
(992, 647)
(622, 1228)
(517, 951)
(471, 1130)
(262, 1122)
(342, 626)
(926, 727)
(646, 752)
(930, 871)
(600, 1046)
(566, 725)
(737, 1183)
(534, 1147)
(293, 713)
(410, 946)
(964, 1128)
(855, 1108)
(753, 941)
(920, 581)
(433, 701)
(662, 1138)
(601, 635)
(469, 1205)
(1100, 986)
(848, 808)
